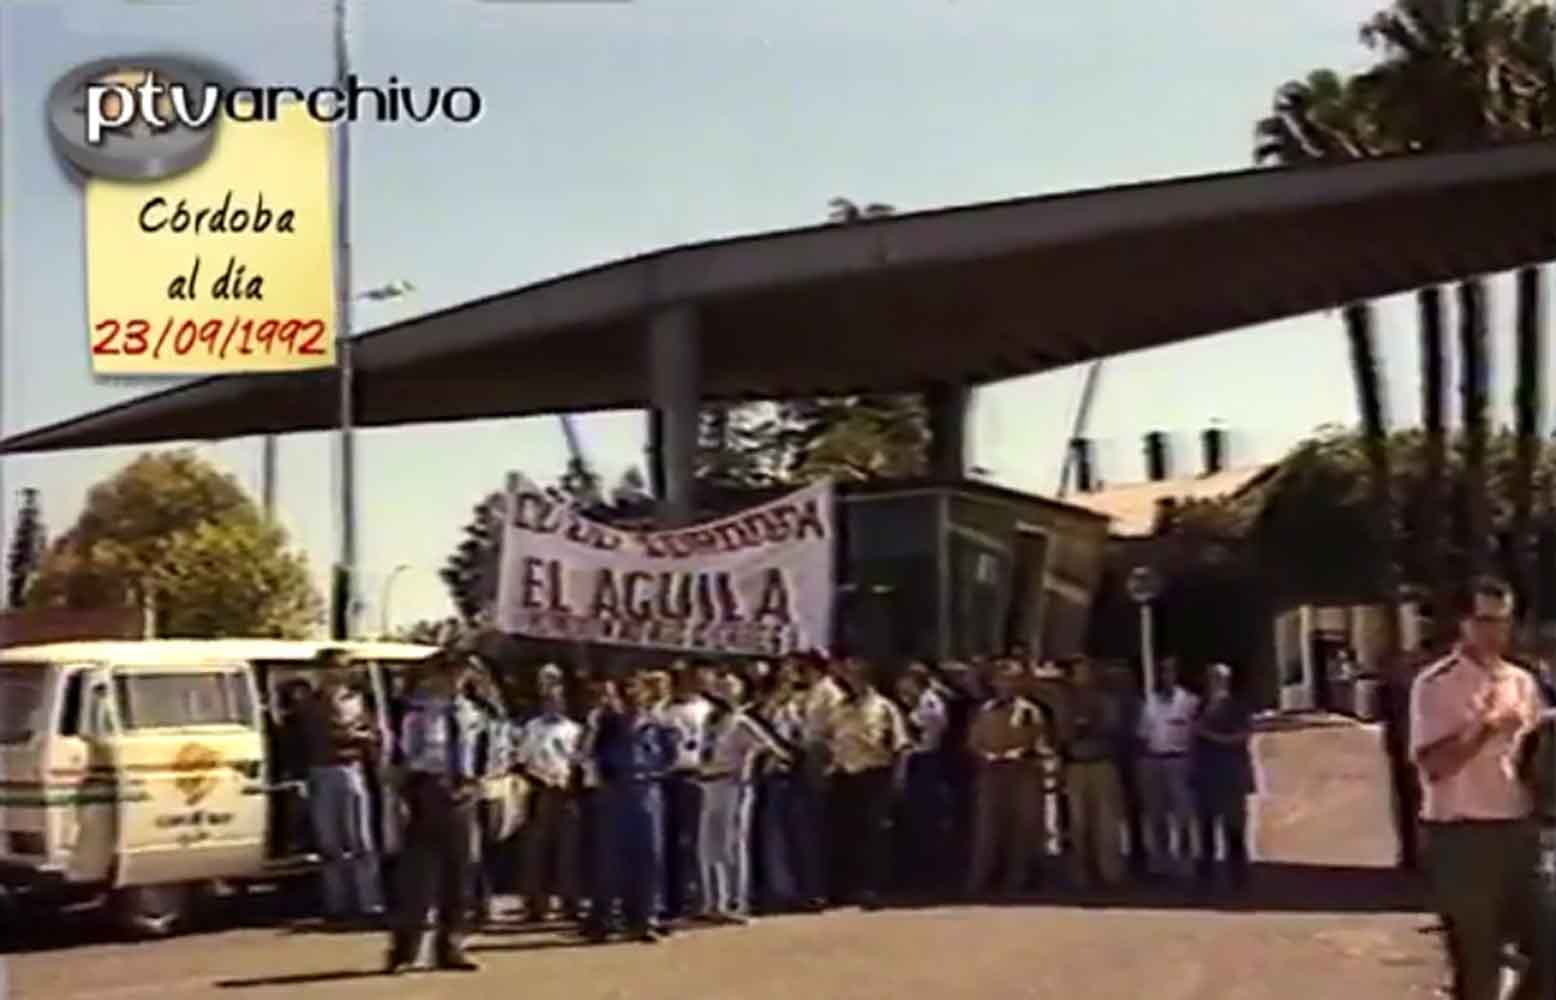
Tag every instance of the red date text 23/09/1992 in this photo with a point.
(214, 339)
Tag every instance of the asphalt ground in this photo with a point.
(1323, 917)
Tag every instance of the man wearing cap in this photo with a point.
(1470, 716)
(444, 739)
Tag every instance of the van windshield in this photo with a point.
(21, 704)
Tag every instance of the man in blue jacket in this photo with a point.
(444, 739)
(634, 751)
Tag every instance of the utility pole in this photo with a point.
(344, 591)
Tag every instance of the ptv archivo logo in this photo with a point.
(145, 118)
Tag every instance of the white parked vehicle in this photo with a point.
(142, 771)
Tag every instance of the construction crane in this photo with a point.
(1082, 419)
(578, 463)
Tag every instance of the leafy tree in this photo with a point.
(1311, 525)
(580, 483)
(844, 210)
(1449, 75)
(631, 490)
(431, 633)
(471, 571)
(172, 533)
(864, 438)
(28, 543)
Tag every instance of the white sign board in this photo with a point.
(757, 583)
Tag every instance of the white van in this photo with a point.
(141, 771)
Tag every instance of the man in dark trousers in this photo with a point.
(634, 751)
(1471, 714)
(444, 740)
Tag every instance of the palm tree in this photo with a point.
(1369, 399)
(1434, 399)
(1473, 396)
(1452, 74)
(843, 210)
(1528, 404)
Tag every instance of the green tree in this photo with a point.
(865, 437)
(29, 540)
(173, 533)
(631, 490)
(1311, 526)
(1450, 74)
(580, 483)
(470, 572)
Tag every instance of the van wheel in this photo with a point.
(151, 911)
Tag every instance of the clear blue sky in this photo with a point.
(612, 129)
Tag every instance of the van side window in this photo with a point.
(70, 707)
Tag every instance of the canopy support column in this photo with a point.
(674, 350)
(947, 405)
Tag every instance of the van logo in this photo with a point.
(195, 767)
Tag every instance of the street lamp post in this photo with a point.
(383, 611)
(1145, 586)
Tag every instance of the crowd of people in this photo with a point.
(714, 792)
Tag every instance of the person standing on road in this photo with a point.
(735, 742)
(923, 834)
(869, 742)
(1405, 784)
(686, 715)
(1470, 714)
(1006, 740)
(1223, 775)
(818, 698)
(1091, 728)
(1166, 791)
(547, 757)
(634, 751)
(342, 740)
(445, 758)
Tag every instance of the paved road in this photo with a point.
(1323, 919)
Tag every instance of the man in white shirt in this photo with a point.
(548, 747)
(686, 715)
(1166, 793)
(1471, 714)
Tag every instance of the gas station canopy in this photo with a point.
(956, 296)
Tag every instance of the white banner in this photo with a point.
(758, 583)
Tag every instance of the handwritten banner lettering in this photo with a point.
(757, 583)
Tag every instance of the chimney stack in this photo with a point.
(1081, 460)
(1215, 450)
(1156, 456)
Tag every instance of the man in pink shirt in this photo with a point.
(1469, 716)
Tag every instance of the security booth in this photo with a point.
(953, 570)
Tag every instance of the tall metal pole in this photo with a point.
(345, 586)
(1148, 647)
(267, 475)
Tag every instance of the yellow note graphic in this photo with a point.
(227, 268)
